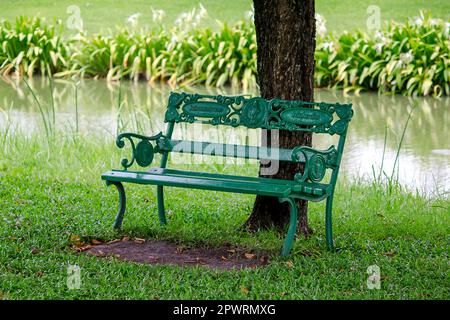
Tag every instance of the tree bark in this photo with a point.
(285, 35)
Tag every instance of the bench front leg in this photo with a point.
(161, 213)
(122, 203)
(289, 240)
(329, 223)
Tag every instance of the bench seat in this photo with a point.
(219, 182)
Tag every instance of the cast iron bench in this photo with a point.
(252, 113)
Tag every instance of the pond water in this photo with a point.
(423, 162)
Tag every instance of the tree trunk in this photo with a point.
(285, 35)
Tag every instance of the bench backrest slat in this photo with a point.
(230, 150)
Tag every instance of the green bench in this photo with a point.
(252, 113)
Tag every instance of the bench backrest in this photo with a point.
(257, 112)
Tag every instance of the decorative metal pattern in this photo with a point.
(316, 163)
(257, 112)
(143, 152)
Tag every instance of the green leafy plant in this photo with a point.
(410, 58)
(31, 45)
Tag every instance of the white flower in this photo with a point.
(249, 14)
(380, 37)
(158, 15)
(190, 20)
(202, 11)
(418, 21)
(434, 22)
(406, 58)
(319, 18)
(174, 39)
(133, 19)
(321, 28)
(379, 47)
(328, 46)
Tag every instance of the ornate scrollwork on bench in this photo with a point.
(316, 163)
(256, 112)
(143, 152)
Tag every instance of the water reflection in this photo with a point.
(424, 158)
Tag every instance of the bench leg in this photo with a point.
(161, 213)
(122, 203)
(329, 223)
(292, 226)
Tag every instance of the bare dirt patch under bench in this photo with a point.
(163, 252)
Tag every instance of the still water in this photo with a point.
(377, 125)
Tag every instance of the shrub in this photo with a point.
(31, 45)
(411, 58)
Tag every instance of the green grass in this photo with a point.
(100, 15)
(50, 189)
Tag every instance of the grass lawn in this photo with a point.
(102, 14)
(50, 190)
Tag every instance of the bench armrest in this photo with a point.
(316, 163)
(143, 152)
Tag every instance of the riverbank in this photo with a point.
(99, 107)
(52, 199)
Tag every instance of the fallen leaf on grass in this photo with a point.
(75, 241)
(99, 253)
(84, 248)
(74, 238)
(250, 255)
(289, 264)
(35, 250)
(114, 241)
(390, 253)
(139, 240)
(245, 289)
(180, 249)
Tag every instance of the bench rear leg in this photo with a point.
(329, 223)
(161, 212)
(287, 246)
(122, 203)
